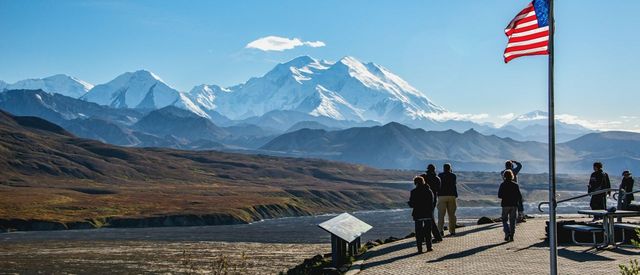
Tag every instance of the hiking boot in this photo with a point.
(506, 238)
(511, 238)
(436, 240)
(429, 249)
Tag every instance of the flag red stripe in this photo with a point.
(526, 47)
(520, 55)
(529, 37)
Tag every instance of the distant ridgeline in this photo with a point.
(51, 180)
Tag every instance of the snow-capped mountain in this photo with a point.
(56, 84)
(536, 117)
(344, 90)
(205, 95)
(534, 126)
(140, 90)
(540, 118)
(3, 85)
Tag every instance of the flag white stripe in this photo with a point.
(522, 16)
(518, 18)
(527, 24)
(521, 34)
(528, 42)
(526, 51)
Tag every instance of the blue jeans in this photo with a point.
(509, 215)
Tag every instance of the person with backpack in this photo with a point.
(421, 200)
(510, 194)
(433, 181)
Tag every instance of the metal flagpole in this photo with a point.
(553, 242)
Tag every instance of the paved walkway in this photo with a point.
(482, 250)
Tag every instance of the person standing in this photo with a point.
(627, 186)
(421, 200)
(433, 181)
(599, 181)
(510, 194)
(508, 165)
(447, 199)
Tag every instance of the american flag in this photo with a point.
(528, 32)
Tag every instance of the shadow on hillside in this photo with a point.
(467, 253)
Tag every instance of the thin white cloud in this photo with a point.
(456, 116)
(626, 124)
(278, 43)
(507, 116)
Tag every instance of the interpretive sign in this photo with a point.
(345, 233)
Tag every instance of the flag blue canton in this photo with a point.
(542, 12)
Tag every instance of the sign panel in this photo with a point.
(346, 227)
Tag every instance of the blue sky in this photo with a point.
(450, 50)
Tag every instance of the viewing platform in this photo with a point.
(481, 249)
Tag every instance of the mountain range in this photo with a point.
(345, 110)
(341, 94)
(397, 146)
(533, 126)
(288, 133)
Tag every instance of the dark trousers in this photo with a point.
(434, 230)
(520, 206)
(598, 202)
(509, 215)
(423, 232)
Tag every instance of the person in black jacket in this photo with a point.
(421, 200)
(433, 181)
(508, 165)
(599, 180)
(627, 186)
(510, 194)
(447, 199)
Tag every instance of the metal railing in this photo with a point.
(615, 190)
(623, 193)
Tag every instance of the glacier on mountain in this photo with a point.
(140, 90)
(344, 90)
(56, 84)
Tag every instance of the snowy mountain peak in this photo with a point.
(300, 61)
(534, 115)
(350, 61)
(56, 84)
(347, 89)
(144, 74)
(141, 89)
(205, 95)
